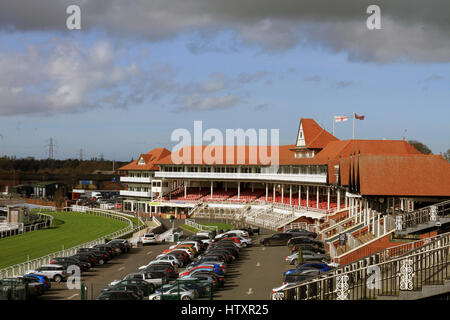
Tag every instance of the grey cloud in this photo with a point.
(312, 79)
(415, 30)
(202, 103)
(245, 77)
(342, 84)
(71, 79)
(433, 77)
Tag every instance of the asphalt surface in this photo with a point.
(251, 277)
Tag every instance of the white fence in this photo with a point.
(200, 226)
(24, 267)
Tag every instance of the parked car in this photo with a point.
(213, 268)
(322, 267)
(108, 248)
(125, 244)
(205, 278)
(279, 239)
(71, 261)
(130, 287)
(309, 247)
(84, 258)
(166, 269)
(54, 272)
(118, 295)
(88, 256)
(101, 257)
(35, 288)
(170, 258)
(307, 256)
(181, 292)
(306, 240)
(42, 279)
(148, 238)
(147, 288)
(300, 277)
(302, 233)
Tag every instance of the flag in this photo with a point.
(359, 117)
(340, 118)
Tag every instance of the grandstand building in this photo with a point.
(315, 178)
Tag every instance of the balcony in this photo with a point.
(136, 179)
(135, 193)
(294, 178)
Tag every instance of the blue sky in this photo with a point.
(168, 83)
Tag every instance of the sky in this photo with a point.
(138, 70)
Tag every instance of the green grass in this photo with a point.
(68, 229)
(220, 226)
(189, 228)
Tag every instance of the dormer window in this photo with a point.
(141, 161)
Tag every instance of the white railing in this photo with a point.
(316, 178)
(24, 267)
(135, 193)
(198, 226)
(136, 179)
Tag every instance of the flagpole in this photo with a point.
(353, 136)
(334, 120)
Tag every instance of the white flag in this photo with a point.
(340, 118)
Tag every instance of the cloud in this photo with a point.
(411, 29)
(251, 77)
(69, 78)
(312, 79)
(199, 103)
(262, 107)
(434, 77)
(342, 84)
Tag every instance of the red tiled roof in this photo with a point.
(404, 175)
(217, 155)
(345, 148)
(150, 158)
(315, 136)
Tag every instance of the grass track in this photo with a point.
(69, 229)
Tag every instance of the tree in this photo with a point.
(446, 155)
(420, 147)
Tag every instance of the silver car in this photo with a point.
(174, 291)
(54, 272)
